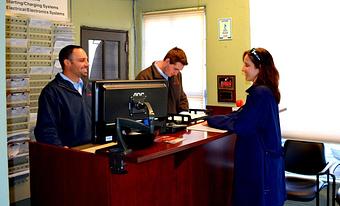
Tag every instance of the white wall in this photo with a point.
(4, 194)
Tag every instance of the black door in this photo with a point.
(107, 52)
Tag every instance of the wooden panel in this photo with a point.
(217, 110)
(197, 171)
(67, 177)
(190, 139)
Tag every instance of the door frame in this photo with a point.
(87, 33)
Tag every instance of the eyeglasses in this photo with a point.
(255, 54)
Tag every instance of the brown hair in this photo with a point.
(268, 74)
(176, 55)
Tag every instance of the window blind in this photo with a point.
(183, 28)
(304, 40)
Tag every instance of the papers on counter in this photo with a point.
(201, 127)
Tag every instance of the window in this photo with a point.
(183, 28)
(305, 50)
(305, 47)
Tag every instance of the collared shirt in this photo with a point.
(161, 72)
(77, 85)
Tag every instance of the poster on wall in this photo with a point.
(224, 29)
(47, 9)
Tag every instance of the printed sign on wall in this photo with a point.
(224, 29)
(48, 9)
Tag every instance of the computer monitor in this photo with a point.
(142, 100)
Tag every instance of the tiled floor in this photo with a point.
(25, 202)
(323, 201)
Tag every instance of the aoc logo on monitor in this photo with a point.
(138, 94)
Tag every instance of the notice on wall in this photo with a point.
(224, 29)
(48, 9)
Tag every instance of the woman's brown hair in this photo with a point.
(268, 74)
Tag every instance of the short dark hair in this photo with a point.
(65, 53)
(176, 55)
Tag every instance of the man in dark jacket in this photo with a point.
(170, 69)
(64, 113)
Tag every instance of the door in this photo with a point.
(107, 51)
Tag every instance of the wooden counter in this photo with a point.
(197, 171)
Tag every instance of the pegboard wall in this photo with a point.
(32, 48)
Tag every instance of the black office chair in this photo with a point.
(336, 197)
(308, 159)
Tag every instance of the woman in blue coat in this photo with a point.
(258, 165)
